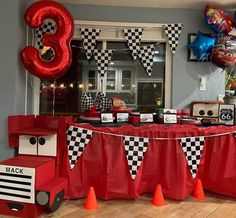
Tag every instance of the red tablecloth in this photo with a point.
(103, 163)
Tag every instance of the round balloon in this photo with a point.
(59, 41)
(202, 45)
(217, 20)
(224, 52)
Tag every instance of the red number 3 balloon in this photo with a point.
(59, 41)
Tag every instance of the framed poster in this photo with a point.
(191, 56)
(146, 118)
(122, 117)
(106, 118)
(226, 114)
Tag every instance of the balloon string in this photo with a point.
(53, 99)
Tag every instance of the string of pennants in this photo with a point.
(133, 37)
(136, 147)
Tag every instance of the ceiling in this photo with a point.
(194, 4)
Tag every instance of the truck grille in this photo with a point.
(17, 183)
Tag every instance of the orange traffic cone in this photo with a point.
(198, 192)
(158, 199)
(91, 201)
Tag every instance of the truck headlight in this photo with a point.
(42, 198)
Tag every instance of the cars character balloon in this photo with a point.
(224, 52)
(217, 20)
(59, 41)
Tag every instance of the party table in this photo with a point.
(103, 163)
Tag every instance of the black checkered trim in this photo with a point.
(49, 27)
(102, 58)
(135, 148)
(89, 37)
(133, 37)
(193, 147)
(173, 32)
(146, 55)
(77, 139)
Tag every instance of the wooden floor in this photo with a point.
(215, 206)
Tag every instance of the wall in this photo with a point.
(186, 75)
(12, 74)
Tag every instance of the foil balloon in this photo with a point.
(224, 52)
(59, 41)
(202, 45)
(217, 20)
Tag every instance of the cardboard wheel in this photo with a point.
(57, 201)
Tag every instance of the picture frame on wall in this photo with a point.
(227, 114)
(191, 55)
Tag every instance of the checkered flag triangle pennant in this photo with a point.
(49, 27)
(193, 147)
(173, 32)
(89, 37)
(146, 55)
(77, 139)
(135, 148)
(133, 37)
(102, 58)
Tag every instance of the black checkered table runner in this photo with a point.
(77, 139)
(102, 58)
(89, 36)
(146, 55)
(135, 148)
(193, 147)
(133, 37)
(173, 32)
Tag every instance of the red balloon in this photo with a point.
(219, 21)
(59, 41)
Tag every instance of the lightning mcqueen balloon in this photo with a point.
(224, 52)
(217, 20)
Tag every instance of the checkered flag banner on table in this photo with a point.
(98, 100)
(102, 58)
(135, 148)
(49, 27)
(173, 32)
(105, 104)
(133, 37)
(193, 147)
(89, 37)
(146, 55)
(86, 101)
(77, 139)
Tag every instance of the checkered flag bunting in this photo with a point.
(77, 139)
(146, 55)
(173, 32)
(86, 101)
(49, 27)
(193, 147)
(89, 37)
(135, 148)
(102, 58)
(133, 37)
